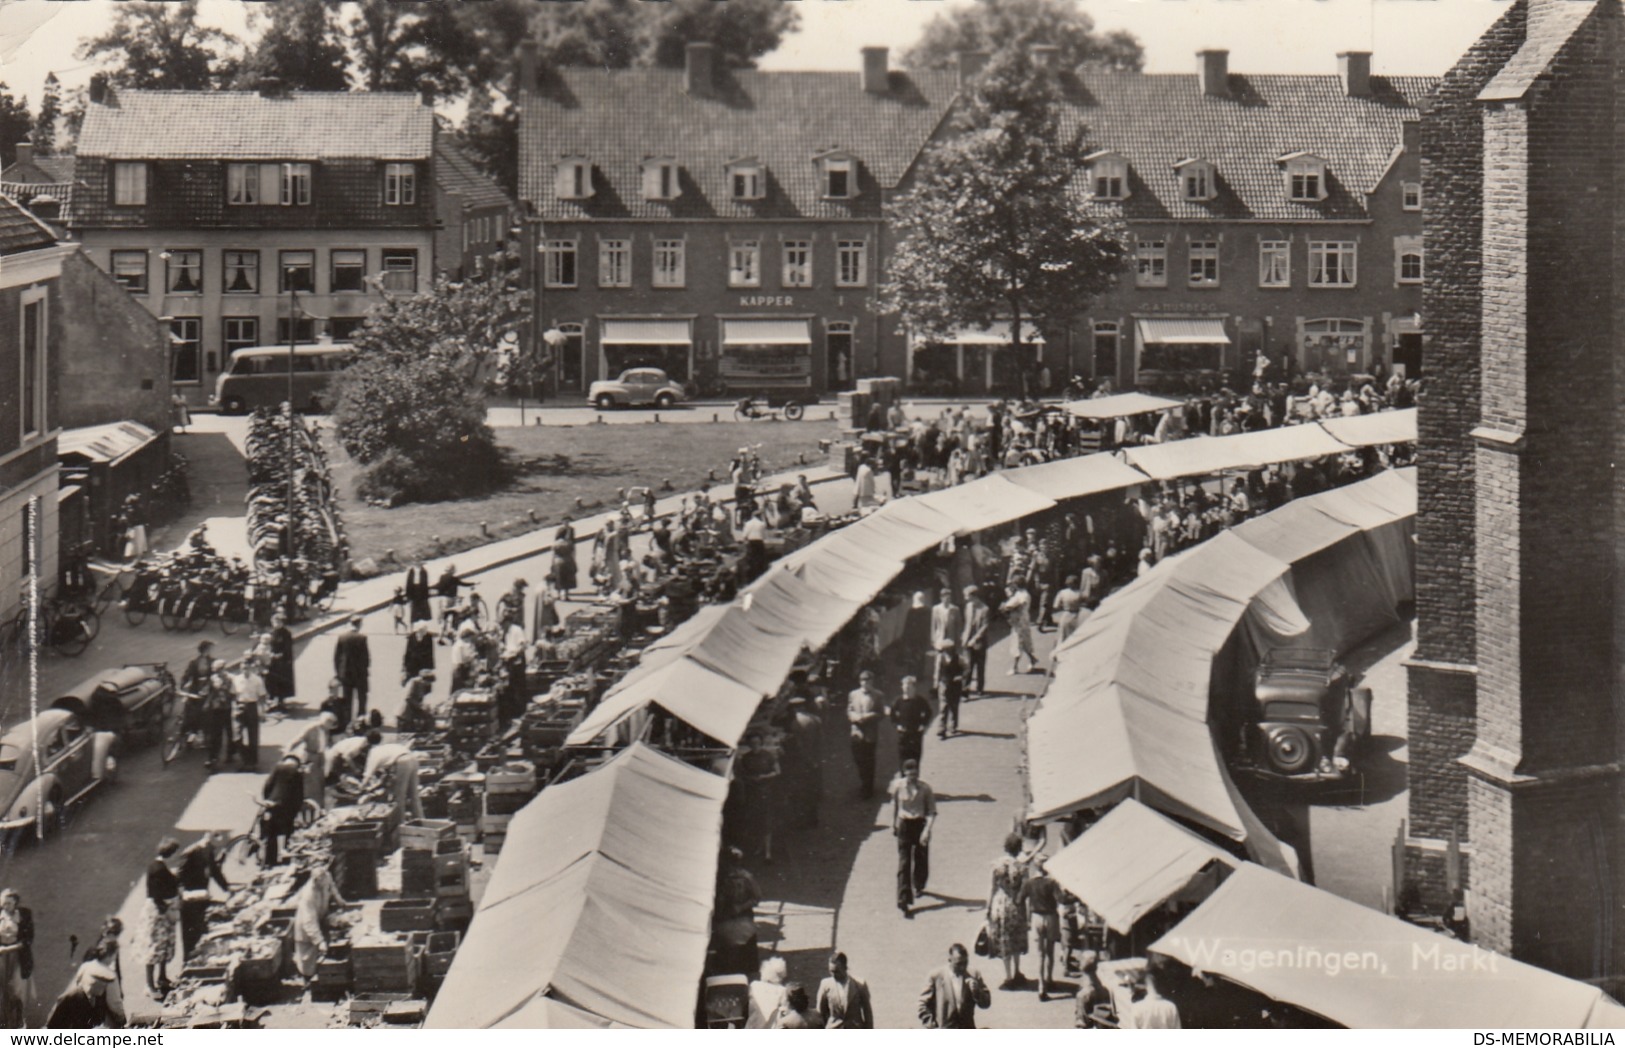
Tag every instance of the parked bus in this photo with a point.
(258, 377)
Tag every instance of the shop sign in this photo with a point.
(758, 301)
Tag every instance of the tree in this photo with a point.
(410, 47)
(299, 43)
(50, 110)
(994, 228)
(491, 137)
(993, 25)
(15, 124)
(742, 30)
(162, 46)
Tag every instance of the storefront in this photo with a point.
(1176, 351)
(667, 344)
(1335, 345)
(770, 356)
(972, 360)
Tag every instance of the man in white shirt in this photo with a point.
(865, 479)
(248, 698)
(514, 656)
(347, 757)
(1153, 1011)
(400, 763)
(755, 535)
(863, 708)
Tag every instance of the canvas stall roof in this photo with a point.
(545, 1013)
(695, 694)
(903, 528)
(109, 443)
(1390, 975)
(782, 602)
(737, 648)
(1305, 526)
(602, 901)
(841, 565)
(986, 503)
(1119, 405)
(1076, 477)
(1131, 862)
(1379, 427)
(1203, 456)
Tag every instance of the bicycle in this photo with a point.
(245, 850)
(67, 627)
(183, 725)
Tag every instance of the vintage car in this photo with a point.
(48, 764)
(132, 701)
(636, 386)
(1308, 720)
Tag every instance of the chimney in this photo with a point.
(25, 151)
(101, 90)
(1354, 68)
(527, 66)
(970, 63)
(876, 76)
(1213, 69)
(271, 87)
(1044, 56)
(699, 62)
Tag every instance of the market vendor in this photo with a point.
(284, 793)
(400, 764)
(414, 716)
(314, 742)
(311, 906)
(199, 864)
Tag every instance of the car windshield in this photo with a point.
(9, 757)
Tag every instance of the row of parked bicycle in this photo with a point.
(291, 502)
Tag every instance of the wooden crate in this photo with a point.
(407, 915)
(370, 1007)
(426, 834)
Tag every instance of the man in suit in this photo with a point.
(352, 665)
(953, 993)
(947, 629)
(974, 642)
(843, 999)
(200, 864)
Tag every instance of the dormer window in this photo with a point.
(1108, 175)
(572, 179)
(1305, 177)
(1197, 180)
(839, 174)
(746, 180)
(660, 179)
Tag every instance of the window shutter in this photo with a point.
(270, 183)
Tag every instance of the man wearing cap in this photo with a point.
(352, 665)
(863, 712)
(199, 864)
(511, 608)
(414, 717)
(314, 743)
(913, 813)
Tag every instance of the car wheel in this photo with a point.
(793, 411)
(1290, 749)
(109, 769)
(665, 400)
(605, 402)
(234, 406)
(54, 816)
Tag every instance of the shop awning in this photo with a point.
(601, 901)
(1073, 478)
(1205, 456)
(110, 443)
(995, 334)
(1379, 427)
(986, 503)
(782, 602)
(1132, 861)
(1367, 970)
(696, 694)
(1181, 331)
(766, 333)
(1119, 405)
(645, 333)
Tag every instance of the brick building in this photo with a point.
(214, 208)
(42, 184)
(473, 213)
(1517, 709)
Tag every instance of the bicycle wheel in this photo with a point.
(477, 611)
(135, 608)
(92, 619)
(114, 590)
(197, 614)
(70, 635)
(229, 614)
(793, 411)
(169, 612)
(243, 851)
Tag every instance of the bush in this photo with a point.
(417, 425)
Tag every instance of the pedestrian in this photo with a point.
(160, 913)
(913, 813)
(352, 665)
(864, 489)
(755, 536)
(446, 587)
(417, 591)
(465, 658)
(199, 864)
(766, 995)
(916, 638)
(419, 651)
(797, 1013)
(863, 711)
(950, 689)
(284, 789)
(516, 687)
(545, 610)
(1040, 896)
(974, 639)
(843, 998)
(1092, 582)
(1068, 602)
(91, 1000)
(947, 627)
(911, 716)
(195, 677)
(1006, 921)
(804, 761)
(511, 606)
(953, 993)
(279, 679)
(415, 718)
(180, 413)
(1090, 991)
(1018, 613)
(399, 764)
(311, 906)
(1153, 1011)
(314, 743)
(734, 937)
(16, 960)
(248, 697)
(564, 569)
(758, 774)
(218, 700)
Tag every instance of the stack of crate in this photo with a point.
(384, 967)
(473, 719)
(421, 841)
(356, 847)
(465, 799)
(508, 788)
(334, 974)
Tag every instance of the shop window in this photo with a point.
(1334, 345)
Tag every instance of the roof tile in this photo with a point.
(21, 231)
(455, 172)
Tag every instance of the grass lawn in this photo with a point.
(567, 469)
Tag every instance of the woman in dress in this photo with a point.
(564, 557)
(545, 610)
(419, 651)
(162, 910)
(16, 961)
(1018, 612)
(759, 771)
(279, 664)
(1006, 923)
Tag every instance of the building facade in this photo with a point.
(245, 218)
(474, 216)
(1517, 701)
(30, 340)
(42, 184)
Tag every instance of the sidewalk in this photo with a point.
(834, 887)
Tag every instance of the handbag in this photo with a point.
(984, 945)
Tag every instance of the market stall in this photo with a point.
(109, 463)
(1209, 456)
(1378, 427)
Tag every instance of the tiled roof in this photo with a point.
(1156, 120)
(456, 173)
(21, 231)
(243, 125)
(41, 170)
(616, 119)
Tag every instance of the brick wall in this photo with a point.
(113, 360)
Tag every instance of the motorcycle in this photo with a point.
(749, 408)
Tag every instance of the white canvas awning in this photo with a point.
(645, 333)
(1181, 331)
(1071, 478)
(1379, 427)
(1120, 405)
(1205, 456)
(987, 502)
(766, 333)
